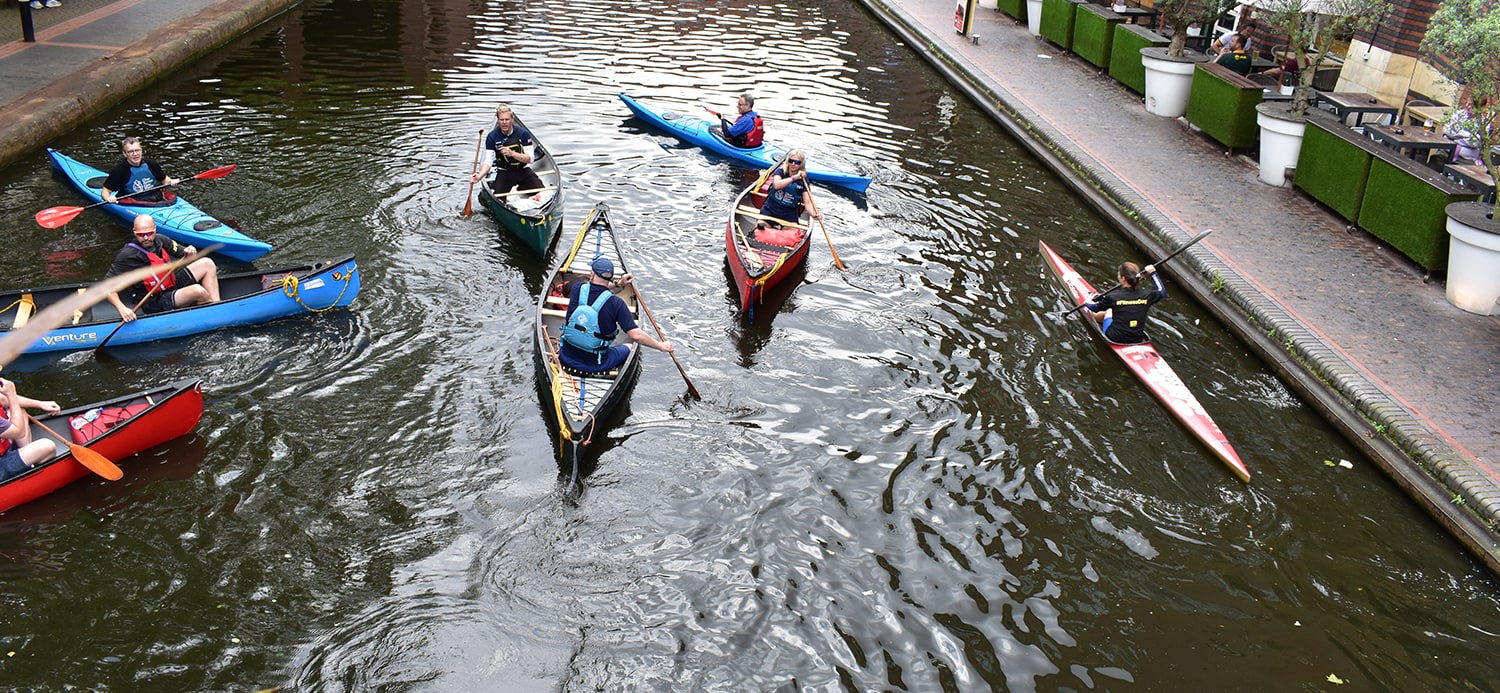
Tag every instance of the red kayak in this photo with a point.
(1147, 364)
(117, 429)
(761, 258)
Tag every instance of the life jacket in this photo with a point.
(756, 135)
(153, 282)
(582, 330)
(4, 426)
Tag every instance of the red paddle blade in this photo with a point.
(95, 462)
(219, 172)
(53, 217)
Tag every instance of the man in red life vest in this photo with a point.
(191, 285)
(747, 130)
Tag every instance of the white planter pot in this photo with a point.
(1280, 145)
(1169, 82)
(1473, 260)
(1034, 17)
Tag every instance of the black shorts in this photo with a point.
(163, 301)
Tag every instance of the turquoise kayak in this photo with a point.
(179, 221)
(695, 131)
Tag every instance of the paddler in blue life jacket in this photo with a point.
(1122, 312)
(614, 317)
(135, 173)
(197, 283)
(747, 131)
(789, 193)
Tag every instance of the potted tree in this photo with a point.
(1169, 70)
(1312, 27)
(1463, 42)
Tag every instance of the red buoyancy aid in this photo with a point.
(153, 282)
(756, 135)
(4, 426)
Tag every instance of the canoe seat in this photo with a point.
(78, 314)
(555, 313)
(24, 308)
(588, 374)
(754, 213)
(557, 300)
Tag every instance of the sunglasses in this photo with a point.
(794, 161)
(147, 234)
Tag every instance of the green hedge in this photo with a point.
(1125, 54)
(1057, 21)
(1334, 165)
(1222, 105)
(1403, 206)
(1094, 33)
(1015, 8)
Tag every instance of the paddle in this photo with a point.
(96, 463)
(478, 149)
(642, 300)
(81, 356)
(53, 217)
(814, 210)
(1158, 264)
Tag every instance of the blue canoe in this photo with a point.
(179, 221)
(696, 131)
(246, 299)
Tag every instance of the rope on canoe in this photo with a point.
(290, 286)
(24, 300)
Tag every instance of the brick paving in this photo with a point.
(1374, 338)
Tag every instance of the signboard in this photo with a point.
(963, 20)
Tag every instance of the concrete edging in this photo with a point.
(48, 113)
(1436, 476)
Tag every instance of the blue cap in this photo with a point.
(603, 267)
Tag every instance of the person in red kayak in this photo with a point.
(747, 131)
(191, 285)
(1122, 312)
(789, 192)
(18, 452)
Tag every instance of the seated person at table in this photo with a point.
(1246, 35)
(1459, 129)
(1234, 56)
(1285, 73)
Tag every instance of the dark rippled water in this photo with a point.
(908, 476)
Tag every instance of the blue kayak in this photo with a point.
(696, 131)
(179, 221)
(245, 299)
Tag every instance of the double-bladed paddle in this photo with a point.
(1158, 263)
(53, 217)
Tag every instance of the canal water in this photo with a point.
(909, 475)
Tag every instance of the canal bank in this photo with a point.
(1356, 330)
(90, 55)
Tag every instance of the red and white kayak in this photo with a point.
(1148, 365)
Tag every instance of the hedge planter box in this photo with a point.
(1335, 164)
(1405, 205)
(1016, 9)
(1057, 21)
(1222, 105)
(1094, 33)
(1125, 55)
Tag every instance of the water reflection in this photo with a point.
(912, 476)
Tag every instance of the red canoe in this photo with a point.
(122, 427)
(761, 258)
(1147, 364)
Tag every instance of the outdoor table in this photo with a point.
(1137, 15)
(1473, 177)
(1421, 114)
(1274, 94)
(1358, 105)
(1411, 140)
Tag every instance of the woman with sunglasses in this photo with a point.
(789, 192)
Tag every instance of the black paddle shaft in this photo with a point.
(1158, 263)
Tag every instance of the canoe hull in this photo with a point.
(580, 407)
(248, 298)
(756, 266)
(535, 225)
(180, 221)
(1147, 364)
(175, 411)
(696, 131)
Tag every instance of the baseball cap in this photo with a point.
(603, 267)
